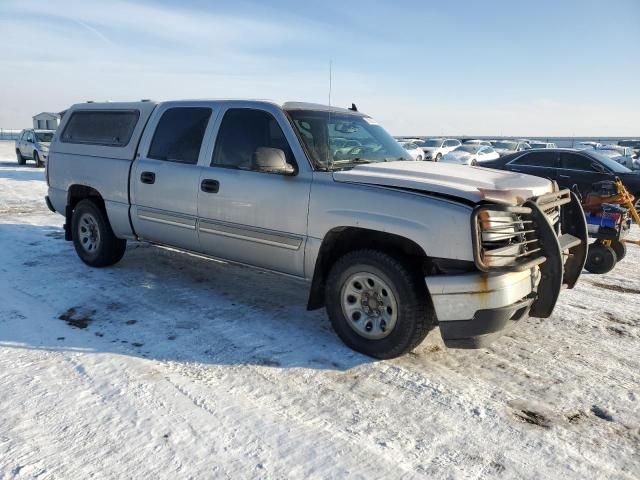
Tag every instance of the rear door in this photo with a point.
(166, 176)
(538, 163)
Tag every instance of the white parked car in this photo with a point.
(542, 145)
(622, 155)
(477, 142)
(471, 154)
(435, 148)
(585, 145)
(33, 145)
(414, 150)
(505, 147)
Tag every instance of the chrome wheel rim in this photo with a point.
(369, 305)
(89, 233)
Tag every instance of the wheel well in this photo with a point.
(75, 194)
(343, 240)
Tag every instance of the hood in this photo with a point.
(504, 151)
(470, 183)
(459, 154)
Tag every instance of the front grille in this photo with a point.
(508, 238)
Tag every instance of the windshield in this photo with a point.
(609, 163)
(44, 137)
(432, 143)
(341, 140)
(472, 148)
(506, 145)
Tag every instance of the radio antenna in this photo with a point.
(330, 75)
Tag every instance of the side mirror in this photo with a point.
(598, 168)
(271, 160)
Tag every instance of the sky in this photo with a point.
(529, 68)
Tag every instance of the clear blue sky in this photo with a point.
(461, 67)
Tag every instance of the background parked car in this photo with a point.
(542, 145)
(634, 144)
(414, 150)
(435, 148)
(470, 154)
(477, 142)
(575, 169)
(622, 155)
(33, 144)
(587, 145)
(505, 147)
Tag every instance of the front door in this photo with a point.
(26, 147)
(165, 179)
(576, 172)
(251, 216)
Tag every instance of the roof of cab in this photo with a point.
(150, 103)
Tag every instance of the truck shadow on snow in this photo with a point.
(166, 305)
(26, 172)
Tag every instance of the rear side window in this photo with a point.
(537, 159)
(178, 136)
(112, 128)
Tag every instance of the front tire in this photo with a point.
(377, 304)
(93, 238)
(36, 158)
(419, 158)
(620, 248)
(438, 157)
(600, 259)
(20, 158)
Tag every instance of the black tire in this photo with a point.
(415, 315)
(90, 221)
(474, 163)
(419, 158)
(600, 259)
(620, 248)
(36, 158)
(20, 158)
(438, 157)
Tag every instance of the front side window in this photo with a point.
(29, 137)
(111, 128)
(363, 140)
(178, 136)
(241, 133)
(575, 162)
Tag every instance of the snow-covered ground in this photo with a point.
(172, 366)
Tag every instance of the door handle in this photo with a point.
(148, 177)
(564, 176)
(209, 185)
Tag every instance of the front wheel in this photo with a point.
(600, 259)
(93, 238)
(36, 158)
(419, 158)
(438, 158)
(377, 304)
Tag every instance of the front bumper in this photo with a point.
(473, 309)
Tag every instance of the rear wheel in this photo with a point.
(438, 157)
(600, 259)
(20, 158)
(36, 158)
(93, 238)
(419, 158)
(377, 304)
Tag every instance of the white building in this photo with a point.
(46, 120)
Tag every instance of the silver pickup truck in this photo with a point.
(391, 247)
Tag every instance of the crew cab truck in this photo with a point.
(390, 247)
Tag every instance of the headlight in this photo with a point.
(504, 238)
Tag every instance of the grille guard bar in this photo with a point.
(560, 255)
